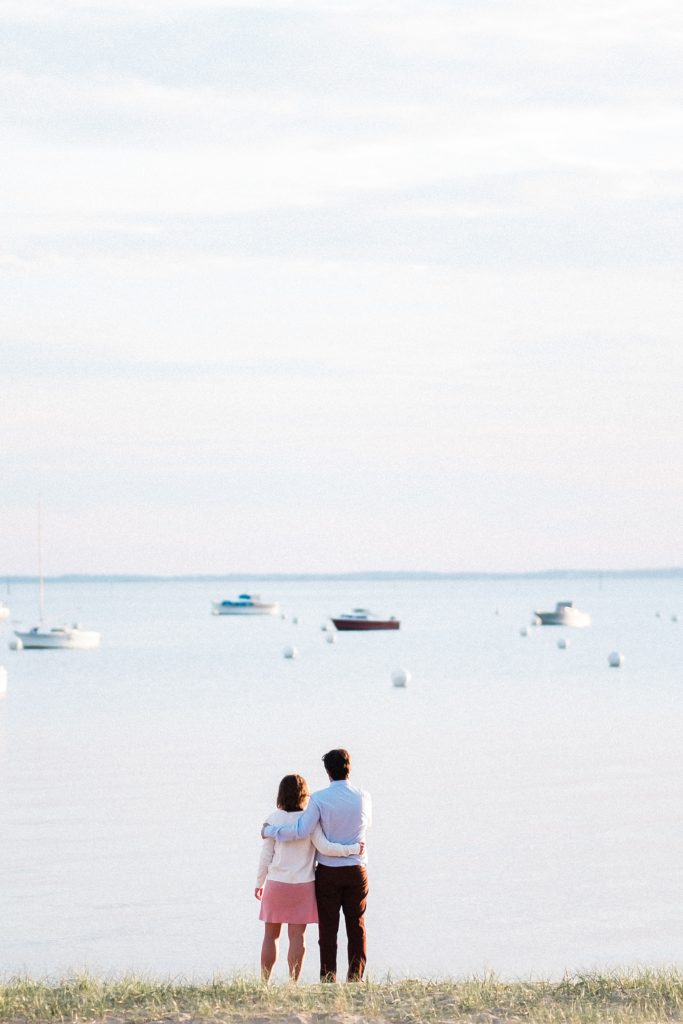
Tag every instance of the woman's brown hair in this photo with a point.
(292, 793)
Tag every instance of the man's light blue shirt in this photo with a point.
(344, 813)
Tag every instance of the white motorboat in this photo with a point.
(565, 614)
(72, 637)
(246, 604)
(360, 619)
(4, 611)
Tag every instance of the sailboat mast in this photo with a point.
(41, 582)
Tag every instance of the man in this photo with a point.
(341, 883)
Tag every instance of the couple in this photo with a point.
(329, 828)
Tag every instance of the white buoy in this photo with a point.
(563, 643)
(290, 652)
(16, 644)
(524, 631)
(3, 682)
(400, 677)
(616, 659)
(331, 638)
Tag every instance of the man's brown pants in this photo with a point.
(344, 889)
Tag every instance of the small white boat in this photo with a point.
(4, 611)
(360, 619)
(565, 614)
(59, 637)
(246, 604)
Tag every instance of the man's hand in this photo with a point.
(258, 893)
(362, 849)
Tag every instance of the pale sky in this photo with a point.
(338, 286)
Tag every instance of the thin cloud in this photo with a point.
(43, 362)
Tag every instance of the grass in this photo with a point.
(638, 997)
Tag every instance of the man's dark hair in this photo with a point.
(337, 764)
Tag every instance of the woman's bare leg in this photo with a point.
(269, 949)
(297, 949)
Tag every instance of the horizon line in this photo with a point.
(380, 574)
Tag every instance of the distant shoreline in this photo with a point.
(340, 577)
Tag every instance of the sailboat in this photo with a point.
(44, 637)
(58, 636)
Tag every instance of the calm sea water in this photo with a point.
(528, 800)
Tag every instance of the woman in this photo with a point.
(288, 871)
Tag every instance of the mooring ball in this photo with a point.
(400, 677)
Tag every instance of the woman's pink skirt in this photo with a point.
(289, 903)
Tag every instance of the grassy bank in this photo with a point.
(646, 996)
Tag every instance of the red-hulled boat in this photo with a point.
(361, 618)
